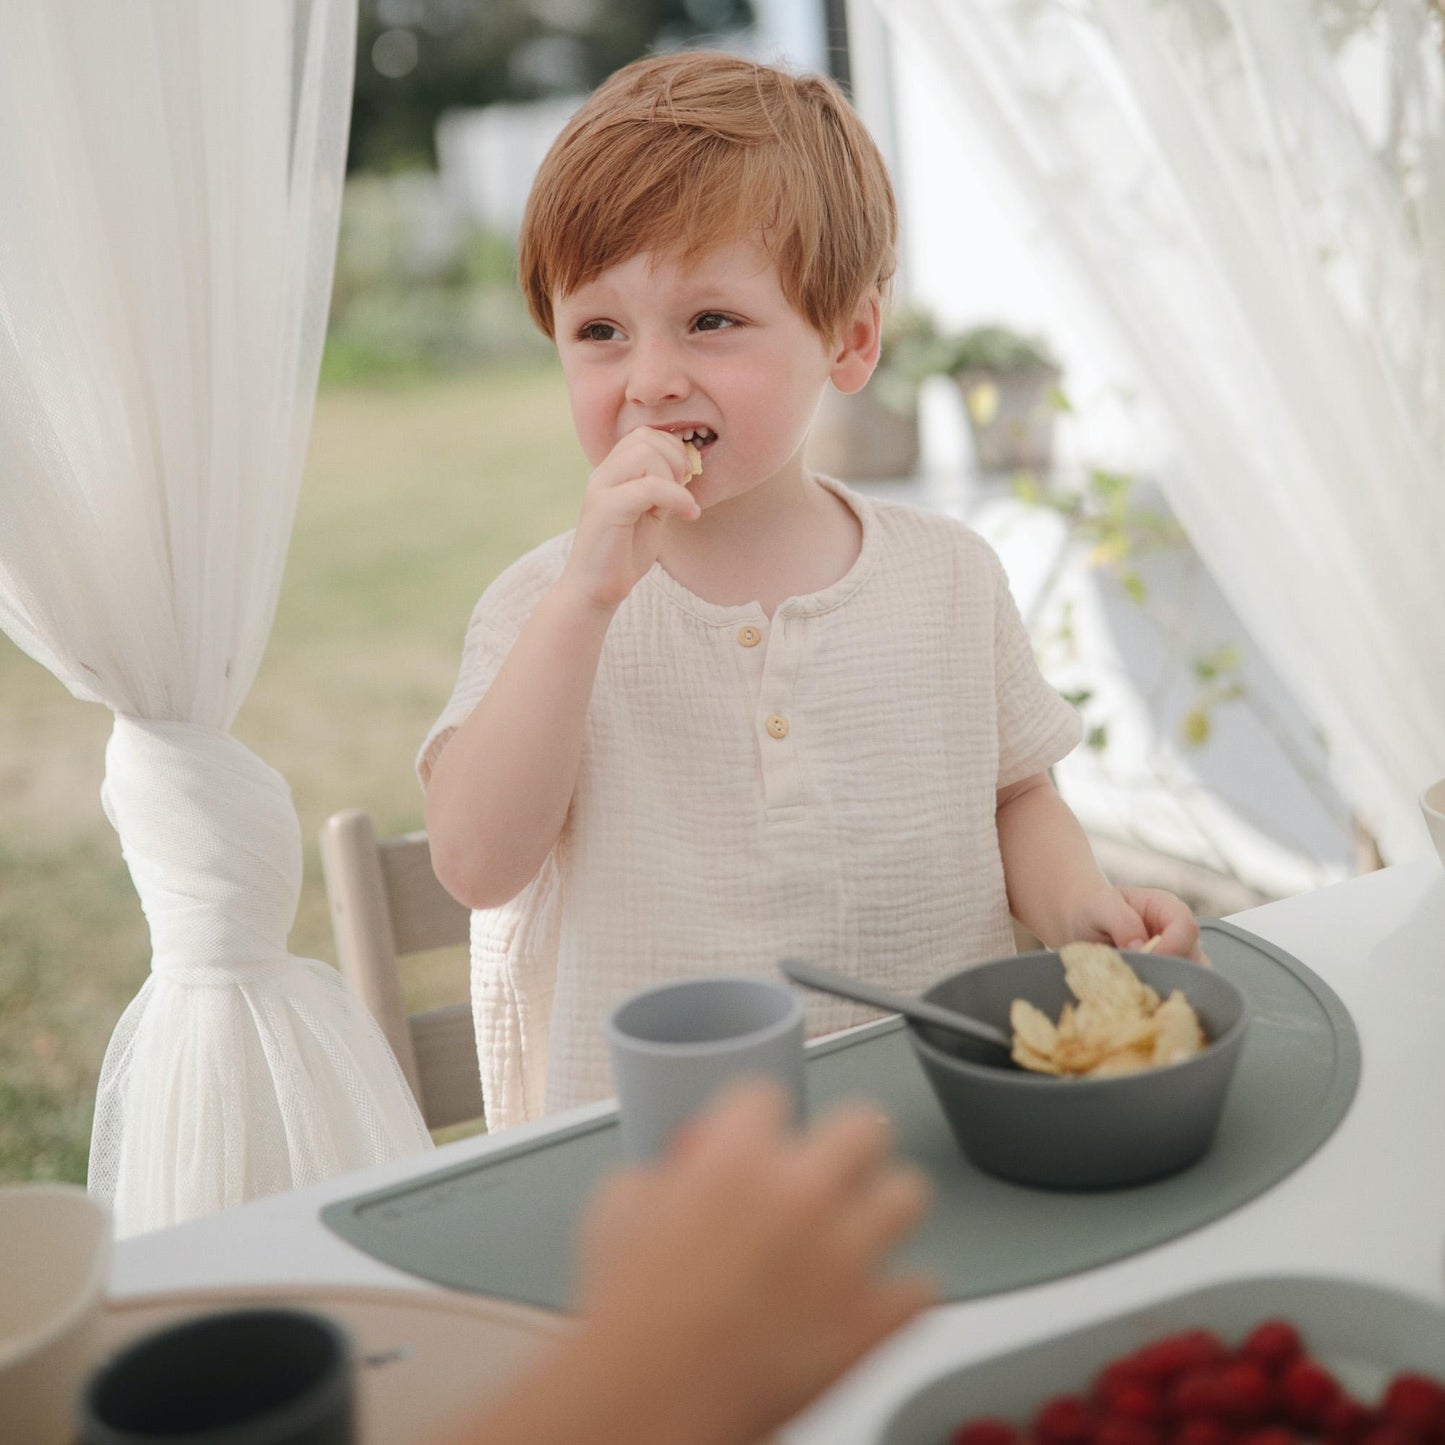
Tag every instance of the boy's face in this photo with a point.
(715, 346)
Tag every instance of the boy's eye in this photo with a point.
(596, 331)
(713, 321)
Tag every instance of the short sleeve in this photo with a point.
(496, 622)
(1036, 727)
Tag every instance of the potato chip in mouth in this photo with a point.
(1118, 1026)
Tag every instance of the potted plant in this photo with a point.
(873, 434)
(1010, 389)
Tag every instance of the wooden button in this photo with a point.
(778, 726)
(749, 636)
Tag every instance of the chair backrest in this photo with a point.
(385, 903)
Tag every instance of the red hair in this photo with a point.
(678, 153)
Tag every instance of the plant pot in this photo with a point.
(855, 437)
(1011, 416)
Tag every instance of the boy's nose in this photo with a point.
(656, 376)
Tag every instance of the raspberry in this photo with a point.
(1166, 1359)
(1064, 1420)
(1201, 1430)
(987, 1430)
(1117, 1378)
(1196, 1395)
(1268, 1435)
(1307, 1390)
(1272, 1345)
(1125, 1430)
(1387, 1434)
(1244, 1391)
(1136, 1402)
(1416, 1402)
(1346, 1420)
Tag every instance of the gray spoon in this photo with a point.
(825, 981)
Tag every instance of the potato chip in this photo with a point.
(1032, 1027)
(694, 459)
(1097, 974)
(1026, 1058)
(1126, 1061)
(1118, 1026)
(1179, 1036)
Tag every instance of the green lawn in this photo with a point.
(414, 498)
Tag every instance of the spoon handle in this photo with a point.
(825, 981)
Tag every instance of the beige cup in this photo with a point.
(54, 1260)
(1432, 805)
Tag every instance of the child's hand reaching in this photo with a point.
(637, 487)
(724, 1289)
(1130, 917)
(749, 1268)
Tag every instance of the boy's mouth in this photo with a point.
(700, 436)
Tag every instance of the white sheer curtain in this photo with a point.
(1255, 193)
(170, 182)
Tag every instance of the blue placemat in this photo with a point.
(504, 1224)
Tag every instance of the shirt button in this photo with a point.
(778, 726)
(749, 636)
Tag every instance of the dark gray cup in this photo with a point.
(676, 1045)
(247, 1377)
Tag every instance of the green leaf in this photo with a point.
(1195, 727)
(1110, 484)
(1109, 550)
(1097, 738)
(1133, 584)
(1079, 697)
(1025, 486)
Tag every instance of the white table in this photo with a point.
(1369, 1205)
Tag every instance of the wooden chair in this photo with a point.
(386, 903)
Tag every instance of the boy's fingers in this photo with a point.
(846, 1150)
(672, 449)
(886, 1213)
(643, 494)
(740, 1117)
(1122, 922)
(1171, 922)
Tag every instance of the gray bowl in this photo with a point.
(1073, 1133)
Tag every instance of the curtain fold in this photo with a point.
(1255, 196)
(171, 183)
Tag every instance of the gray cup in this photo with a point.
(676, 1045)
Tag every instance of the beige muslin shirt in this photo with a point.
(819, 785)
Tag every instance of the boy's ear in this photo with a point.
(856, 353)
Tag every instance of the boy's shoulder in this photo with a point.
(514, 593)
(533, 572)
(926, 531)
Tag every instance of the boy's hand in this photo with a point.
(1129, 917)
(629, 498)
(747, 1270)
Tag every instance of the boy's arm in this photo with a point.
(1057, 891)
(499, 790)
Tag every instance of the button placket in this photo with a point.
(778, 748)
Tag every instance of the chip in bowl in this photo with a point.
(1118, 1026)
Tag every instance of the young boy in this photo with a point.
(740, 712)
